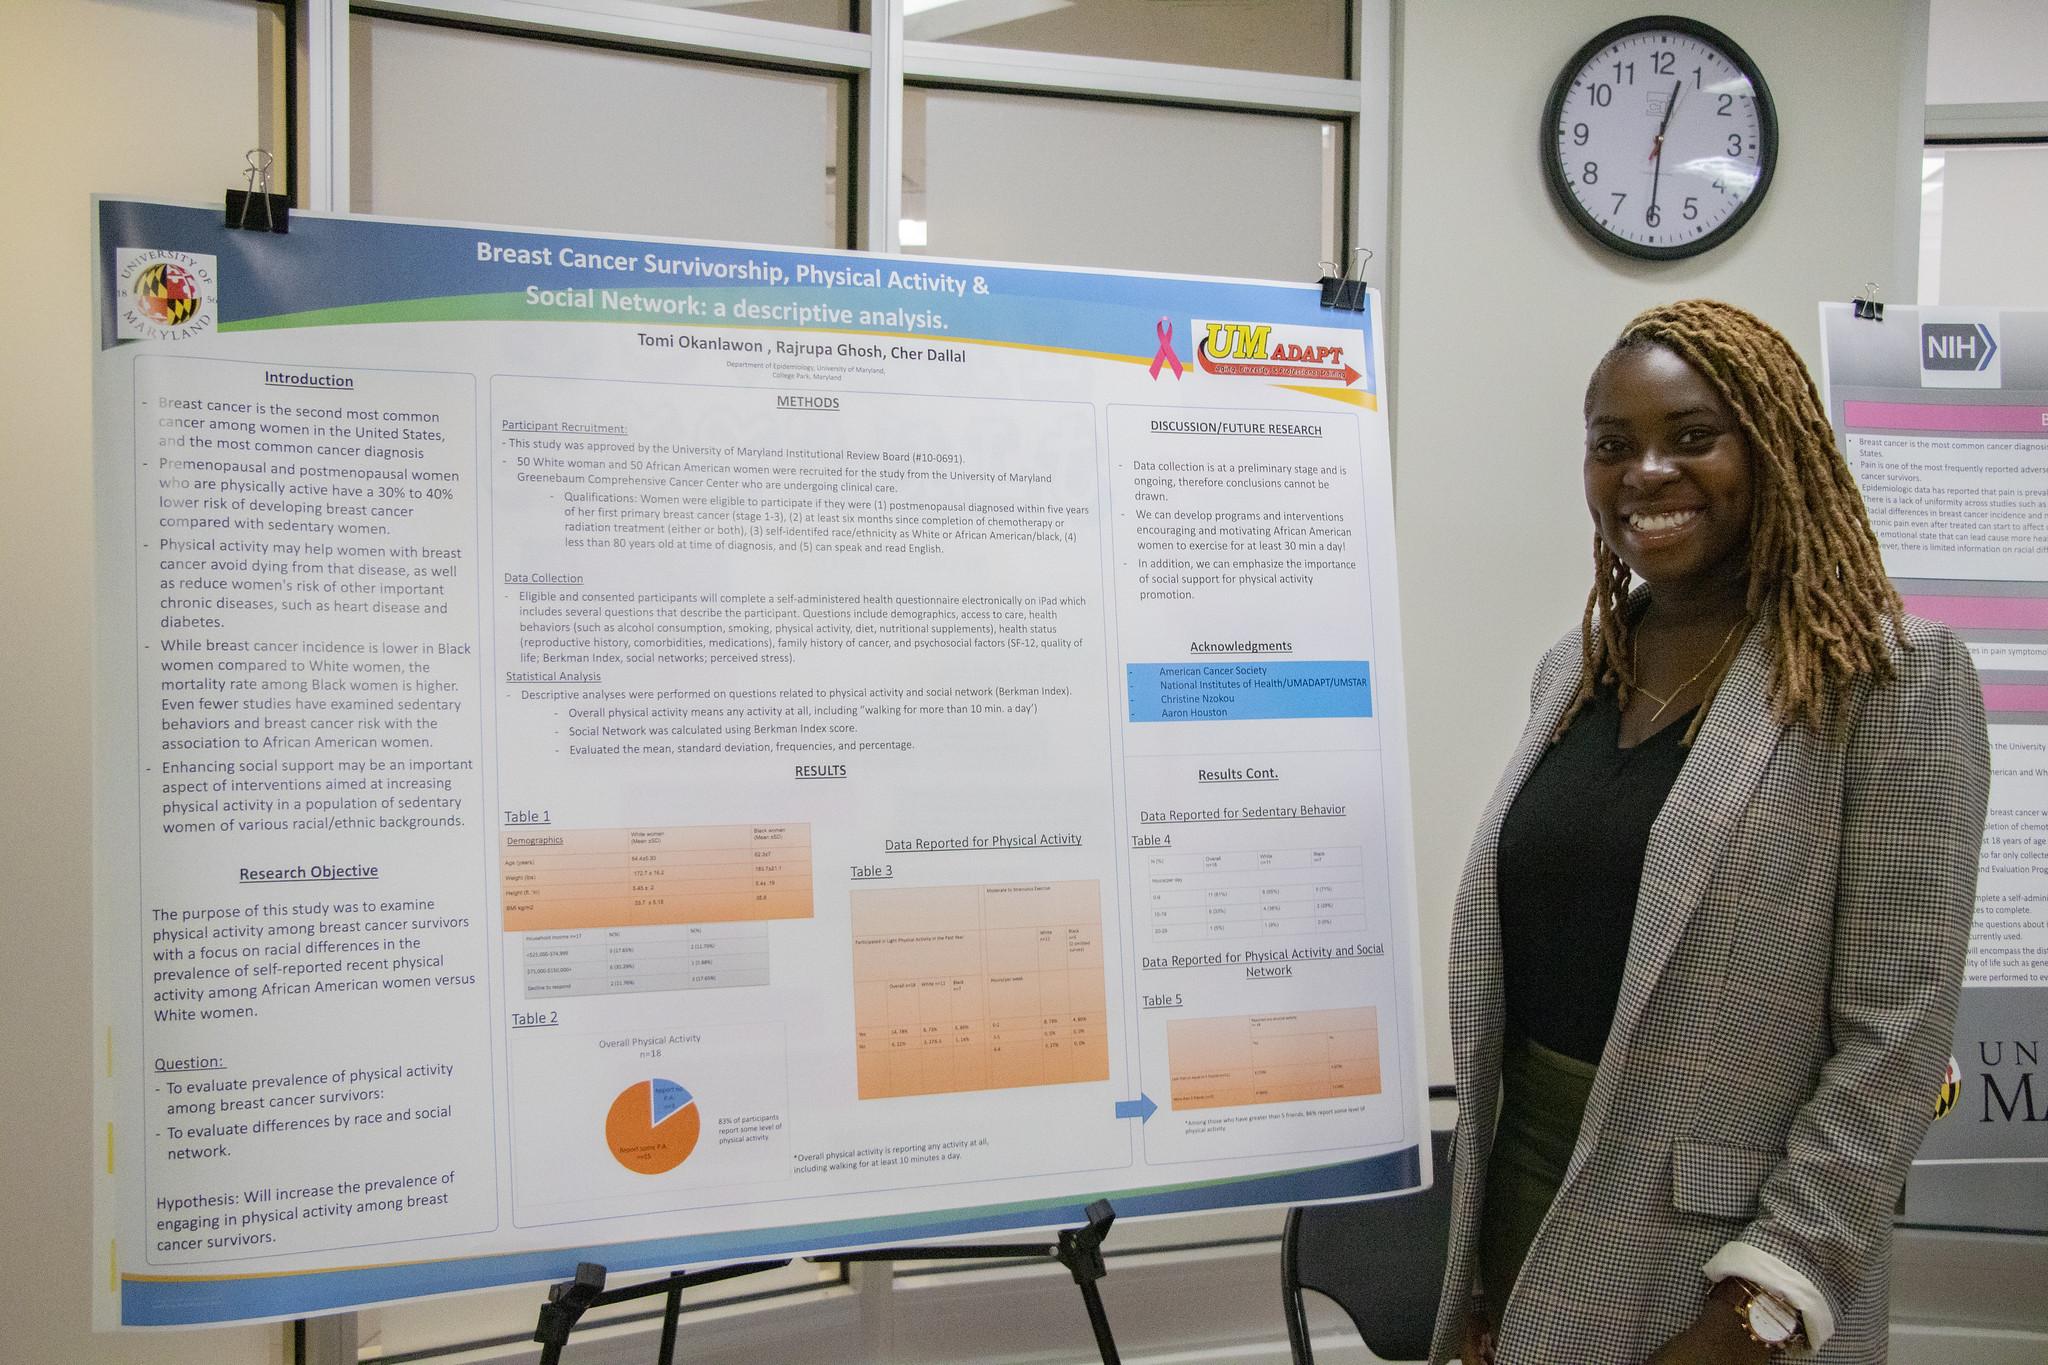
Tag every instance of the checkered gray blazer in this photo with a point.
(1784, 1018)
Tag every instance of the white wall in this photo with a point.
(1501, 308)
(153, 98)
(1987, 52)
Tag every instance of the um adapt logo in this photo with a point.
(1272, 351)
(163, 295)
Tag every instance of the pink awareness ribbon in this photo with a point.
(1163, 329)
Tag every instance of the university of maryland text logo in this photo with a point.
(162, 295)
(1259, 350)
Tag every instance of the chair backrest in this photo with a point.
(1380, 1260)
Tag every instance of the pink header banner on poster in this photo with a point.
(2006, 418)
(1982, 613)
(2000, 698)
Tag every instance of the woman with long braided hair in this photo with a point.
(1707, 947)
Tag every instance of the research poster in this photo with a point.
(1943, 414)
(668, 754)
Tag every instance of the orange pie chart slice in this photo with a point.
(652, 1126)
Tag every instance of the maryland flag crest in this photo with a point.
(163, 295)
(1951, 1090)
(167, 293)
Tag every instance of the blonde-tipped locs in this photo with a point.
(1812, 556)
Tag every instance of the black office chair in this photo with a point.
(1380, 1260)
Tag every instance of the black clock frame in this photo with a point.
(1553, 158)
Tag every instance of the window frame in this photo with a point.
(878, 63)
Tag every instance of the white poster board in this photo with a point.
(1943, 414)
(669, 754)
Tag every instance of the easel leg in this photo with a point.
(565, 1306)
(1080, 1251)
(671, 1312)
(568, 1301)
(1099, 1320)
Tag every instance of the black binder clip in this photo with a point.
(1346, 291)
(256, 208)
(1868, 308)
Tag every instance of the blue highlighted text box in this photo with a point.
(1250, 690)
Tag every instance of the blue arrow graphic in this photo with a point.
(1141, 1108)
(1990, 347)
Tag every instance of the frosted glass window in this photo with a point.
(1983, 242)
(1120, 186)
(482, 127)
(1296, 37)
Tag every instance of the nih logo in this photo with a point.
(1959, 352)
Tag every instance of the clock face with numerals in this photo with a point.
(1659, 138)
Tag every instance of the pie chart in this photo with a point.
(652, 1126)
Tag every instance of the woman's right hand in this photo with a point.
(1477, 1346)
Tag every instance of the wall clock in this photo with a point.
(1659, 138)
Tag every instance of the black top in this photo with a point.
(1570, 863)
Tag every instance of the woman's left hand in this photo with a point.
(1716, 1338)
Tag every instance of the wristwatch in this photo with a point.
(1768, 1317)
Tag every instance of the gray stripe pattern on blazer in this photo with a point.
(1784, 1019)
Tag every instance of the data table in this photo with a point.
(978, 988)
(1260, 893)
(663, 957)
(696, 874)
(1273, 1058)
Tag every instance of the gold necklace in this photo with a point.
(1664, 703)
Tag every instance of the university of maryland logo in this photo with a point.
(1258, 350)
(1951, 1090)
(162, 295)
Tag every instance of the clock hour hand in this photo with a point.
(1669, 105)
(1657, 146)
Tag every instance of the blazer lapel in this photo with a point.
(1728, 758)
